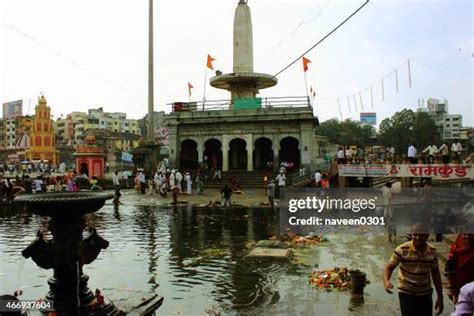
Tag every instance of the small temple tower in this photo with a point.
(43, 140)
(90, 159)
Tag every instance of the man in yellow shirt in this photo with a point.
(417, 260)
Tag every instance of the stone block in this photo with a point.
(271, 253)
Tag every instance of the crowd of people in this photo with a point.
(11, 187)
(445, 153)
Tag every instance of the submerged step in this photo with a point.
(273, 253)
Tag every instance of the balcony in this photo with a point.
(243, 104)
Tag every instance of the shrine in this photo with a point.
(90, 159)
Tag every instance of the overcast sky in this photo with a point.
(89, 54)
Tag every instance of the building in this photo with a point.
(43, 138)
(114, 145)
(2, 135)
(80, 121)
(10, 133)
(64, 128)
(114, 121)
(161, 131)
(71, 129)
(246, 132)
(369, 118)
(448, 126)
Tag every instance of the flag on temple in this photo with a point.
(306, 61)
(209, 62)
(190, 86)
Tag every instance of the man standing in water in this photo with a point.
(417, 260)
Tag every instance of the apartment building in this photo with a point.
(448, 126)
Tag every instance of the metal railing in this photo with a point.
(219, 105)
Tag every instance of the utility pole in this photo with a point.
(151, 126)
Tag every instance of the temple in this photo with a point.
(43, 140)
(247, 132)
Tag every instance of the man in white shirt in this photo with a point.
(412, 153)
(142, 180)
(432, 151)
(444, 150)
(179, 179)
(116, 182)
(38, 185)
(340, 156)
(281, 178)
(391, 151)
(456, 148)
(317, 178)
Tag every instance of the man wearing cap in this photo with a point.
(417, 260)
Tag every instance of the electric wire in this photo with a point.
(320, 41)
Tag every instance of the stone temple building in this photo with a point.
(246, 132)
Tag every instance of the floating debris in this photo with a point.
(337, 278)
(293, 239)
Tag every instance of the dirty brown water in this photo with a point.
(195, 259)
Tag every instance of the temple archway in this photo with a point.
(188, 156)
(289, 151)
(213, 152)
(237, 154)
(262, 154)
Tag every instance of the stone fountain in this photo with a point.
(68, 252)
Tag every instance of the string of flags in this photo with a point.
(370, 89)
(394, 73)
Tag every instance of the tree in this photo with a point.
(406, 127)
(347, 132)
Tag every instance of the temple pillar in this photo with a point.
(225, 152)
(249, 141)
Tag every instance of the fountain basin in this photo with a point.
(64, 204)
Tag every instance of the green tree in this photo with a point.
(347, 132)
(407, 127)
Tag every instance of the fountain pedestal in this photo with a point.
(67, 252)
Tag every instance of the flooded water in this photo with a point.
(195, 259)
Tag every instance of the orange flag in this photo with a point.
(190, 86)
(306, 61)
(209, 62)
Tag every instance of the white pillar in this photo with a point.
(200, 150)
(249, 141)
(225, 152)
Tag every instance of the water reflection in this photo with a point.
(195, 258)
